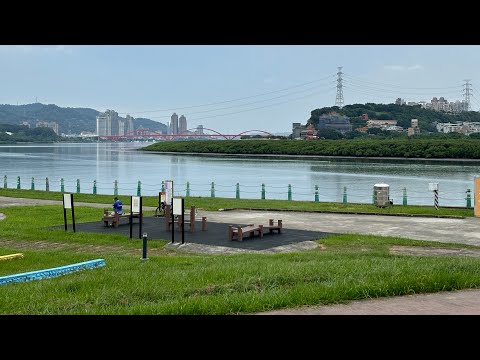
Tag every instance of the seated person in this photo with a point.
(117, 206)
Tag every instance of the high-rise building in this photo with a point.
(174, 124)
(110, 124)
(52, 125)
(182, 126)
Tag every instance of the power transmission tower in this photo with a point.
(339, 98)
(466, 93)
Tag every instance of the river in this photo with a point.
(107, 162)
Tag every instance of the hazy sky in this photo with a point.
(233, 88)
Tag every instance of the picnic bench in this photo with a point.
(239, 231)
(190, 221)
(115, 218)
(271, 227)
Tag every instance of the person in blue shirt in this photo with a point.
(117, 206)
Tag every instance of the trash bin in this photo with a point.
(382, 195)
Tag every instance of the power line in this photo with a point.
(239, 105)
(255, 108)
(396, 91)
(400, 87)
(232, 100)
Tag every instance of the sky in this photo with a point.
(233, 88)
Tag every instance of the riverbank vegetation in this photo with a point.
(403, 148)
(345, 268)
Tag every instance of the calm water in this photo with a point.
(108, 162)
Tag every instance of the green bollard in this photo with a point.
(94, 187)
(163, 186)
(212, 190)
(62, 186)
(18, 182)
(289, 192)
(316, 193)
(115, 188)
(404, 196)
(187, 192)
(139, 188)
(237, 192)
(5, 182)
(47, 185)
(32, 187)
(78, 186)
(469, 199)
(263, 191)
(344, 194)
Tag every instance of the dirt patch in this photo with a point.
(433, 251)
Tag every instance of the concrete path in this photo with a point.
(461, 231)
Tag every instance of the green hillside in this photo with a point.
(70, 120)
(402, 113)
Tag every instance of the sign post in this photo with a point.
(68, 204)
(179, 209)
(136, 207)
(169, 190)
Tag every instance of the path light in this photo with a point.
(144, 253)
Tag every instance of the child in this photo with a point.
(117, 206)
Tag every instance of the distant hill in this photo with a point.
(70, 120)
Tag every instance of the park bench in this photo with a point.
(239, 231)
(115, 218)
(271, 227)
(178, 221)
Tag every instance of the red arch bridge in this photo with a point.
(194, 133)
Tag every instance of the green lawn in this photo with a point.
(208, 203)
(350, 267)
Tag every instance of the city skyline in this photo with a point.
(233, 87)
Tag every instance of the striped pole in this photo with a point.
(187, 192)
(404, 196)
(435, 192)
(62, 186)
(78, 186)
(469, 198)
(18, 182)
(94, 187)
(237, 191)
(316, 193)
(289, 192)
(47, 185)
(344, 194)
(5, 182)
(212, 190)
(139, 188)
(115, 188)
(263, 191)
(32, 186)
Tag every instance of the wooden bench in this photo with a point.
(271, 227)
(239, 231)
(190, 221)
(115, 218)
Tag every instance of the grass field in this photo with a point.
(346, 267)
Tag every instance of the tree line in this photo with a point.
(403, 148)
